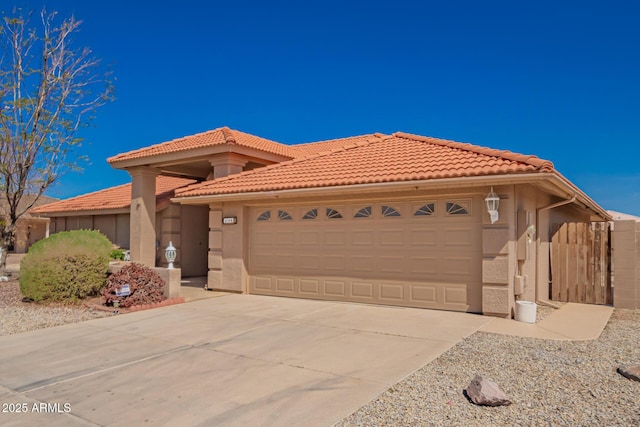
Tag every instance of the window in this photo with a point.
(312, 214)
(426, 210)
(265, 216)
(363, 213)
(333, 214)
(284, 216)
(388, 211)
(456, 209)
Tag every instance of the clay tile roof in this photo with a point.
(210, 138)
(118, 197)
(310, 148)
(375, 159)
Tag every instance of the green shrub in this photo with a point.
(117, 254)
(67, 266)
(145, 285)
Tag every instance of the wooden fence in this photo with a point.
(581, 263)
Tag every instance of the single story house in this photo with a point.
(396, 219)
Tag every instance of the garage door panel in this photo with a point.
(262, 261)
(458, 237)
(311, 263)
(263, 283)
(309, 238)
(420, 293)
(335, 238)
(334, 263)
(423, 264)
(390, 264)
(456, 266)
(448, 296)
(263, 237)
(423, 237)
(285, 238)
(362, 263)
(391, 237)
(391, 291)
(310, 287)
(363, 237)
(335, 288)
(362, 290)
(285, 285)
(428, 261)
(455, 294)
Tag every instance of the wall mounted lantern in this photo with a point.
(493, 201)
(170, 254)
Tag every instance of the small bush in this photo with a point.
(117, 254)
(67, 266)
(146, 286)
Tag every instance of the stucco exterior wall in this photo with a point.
(114, 226)
(497, 256)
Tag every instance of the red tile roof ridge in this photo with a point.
(541, 164)
(228, 135)
(356, 144)
(224, 135)
(149, 147)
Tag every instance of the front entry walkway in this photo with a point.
(233, 360)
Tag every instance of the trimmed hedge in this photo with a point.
(67, 266)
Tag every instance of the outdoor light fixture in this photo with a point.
(170, 254)
(493, 201)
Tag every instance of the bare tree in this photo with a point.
(48, 91)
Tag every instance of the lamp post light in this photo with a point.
(170, 254)
(493, 201)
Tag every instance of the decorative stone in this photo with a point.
(483, 391)
(632, 372)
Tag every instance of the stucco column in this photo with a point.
(142, 240)
(227, 164)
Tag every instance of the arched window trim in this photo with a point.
(311, 214)
(264, 216)
(333, 213)
(284, 215)
(428, 209)
(364, 212)
(389, 211)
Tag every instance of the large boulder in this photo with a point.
(632, 372)
(483, 391)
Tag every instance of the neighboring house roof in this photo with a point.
(620, 216)
(26, 200)
(374, 159)
(118, 197)
(219, 136)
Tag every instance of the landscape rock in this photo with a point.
(632, 372)
(483, 391)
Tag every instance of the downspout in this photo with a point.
(546, 208)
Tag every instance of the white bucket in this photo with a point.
(526, 311)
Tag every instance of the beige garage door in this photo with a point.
(416, 254)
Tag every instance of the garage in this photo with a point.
(414, 253)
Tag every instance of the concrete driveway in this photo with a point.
(232, 360)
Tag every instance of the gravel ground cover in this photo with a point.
(17, 316)
(551, 383)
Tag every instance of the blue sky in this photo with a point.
(556, 79)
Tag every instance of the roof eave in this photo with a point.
(564, 188)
